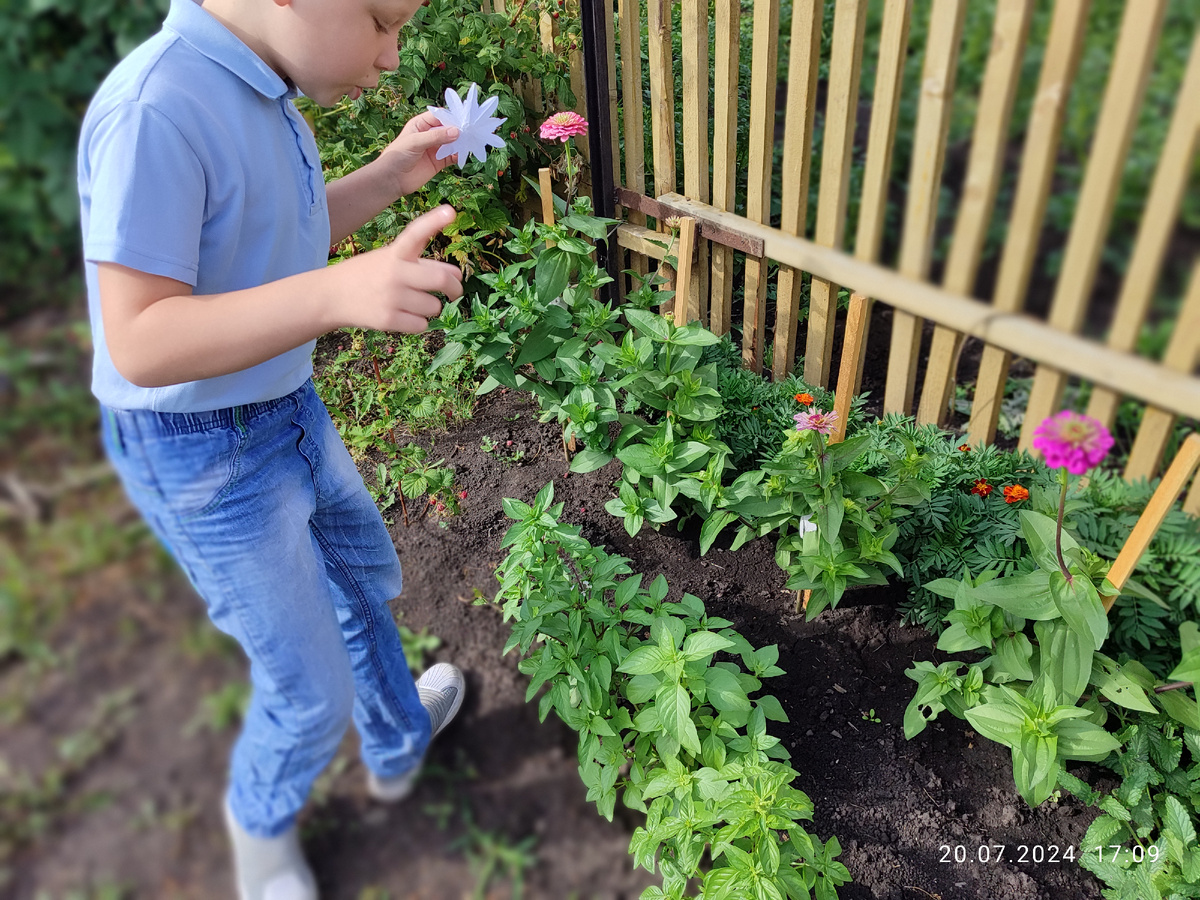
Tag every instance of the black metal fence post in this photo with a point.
(597, 17)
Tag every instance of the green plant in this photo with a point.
(377, 389)
(416, 645)
(220, 709)
(450, 44)
(494, 857)
(662, 723)
(31, 805)
(53, 56)
(1143, 844)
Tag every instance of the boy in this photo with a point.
(206, 225)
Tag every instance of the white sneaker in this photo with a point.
(441, 690)
(269, 868)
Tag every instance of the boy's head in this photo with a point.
(326, 48)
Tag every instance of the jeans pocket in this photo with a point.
(194, 471)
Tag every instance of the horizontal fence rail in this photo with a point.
(789, 139)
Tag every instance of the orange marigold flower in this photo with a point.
(982, 488)
(806, 399)
(965, 448)
(1014, 493)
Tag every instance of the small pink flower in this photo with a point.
(815, 420)
(1073, 440)
(563, 126)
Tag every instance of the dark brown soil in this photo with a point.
(147, 819)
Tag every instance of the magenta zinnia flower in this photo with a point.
(1073, 440)
(815, 420)
(563, 126)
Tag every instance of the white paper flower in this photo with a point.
(475, 124)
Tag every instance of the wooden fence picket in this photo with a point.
(695, 147)
(984, 170)
(633, 119)
(924, 187)
(725, 132)
(1159, 218)
(662, 106)
(1183, 354)
(1130, 70)
(841, 113)
(763, 77)
(804, 65)
(1059, 64)
(881, 141)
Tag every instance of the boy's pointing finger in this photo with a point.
(420, 231)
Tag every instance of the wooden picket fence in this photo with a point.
(711, 233)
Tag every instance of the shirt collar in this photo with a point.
(218, 43)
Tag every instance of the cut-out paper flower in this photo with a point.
(475, 123)
(815, 420)
(1070, 439)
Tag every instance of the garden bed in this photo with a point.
(894, 804)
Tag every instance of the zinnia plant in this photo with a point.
(563, 126)
(816, 420)
(1072, 443)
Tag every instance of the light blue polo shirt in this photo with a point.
(195, 164)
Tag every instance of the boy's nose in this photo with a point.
(389, 57)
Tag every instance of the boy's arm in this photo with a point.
(404, 166)
(159, 333)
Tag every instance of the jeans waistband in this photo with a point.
(192, 422)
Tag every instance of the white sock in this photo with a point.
(269, 868)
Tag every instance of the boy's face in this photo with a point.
(334, 48)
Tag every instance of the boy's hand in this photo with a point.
(393, 287)
(412, 152)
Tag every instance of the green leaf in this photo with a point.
(724, 692)
(552, 274)
(1180, 707)
(1012, 653)
(713, 526)
(1188, 668)
(955, 639)
(645, 660)
(701, 644)
(448, 354)
(1080, 739)
(1065, 658)
(1026, 596)
(1178, 820)
(1080, 606)
(1120, 689)
(1040, 531)
(589, 461)
(674, 706)
(650, 323)
(998, 721)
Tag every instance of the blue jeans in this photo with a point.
(265, 511)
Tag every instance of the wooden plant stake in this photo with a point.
(852, 348)
(547, 186)
(1185, 463)
(683, 278)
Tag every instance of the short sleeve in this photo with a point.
(145, 194)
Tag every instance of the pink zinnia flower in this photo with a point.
(563, 125)
(1073, 440)
(815, 420)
